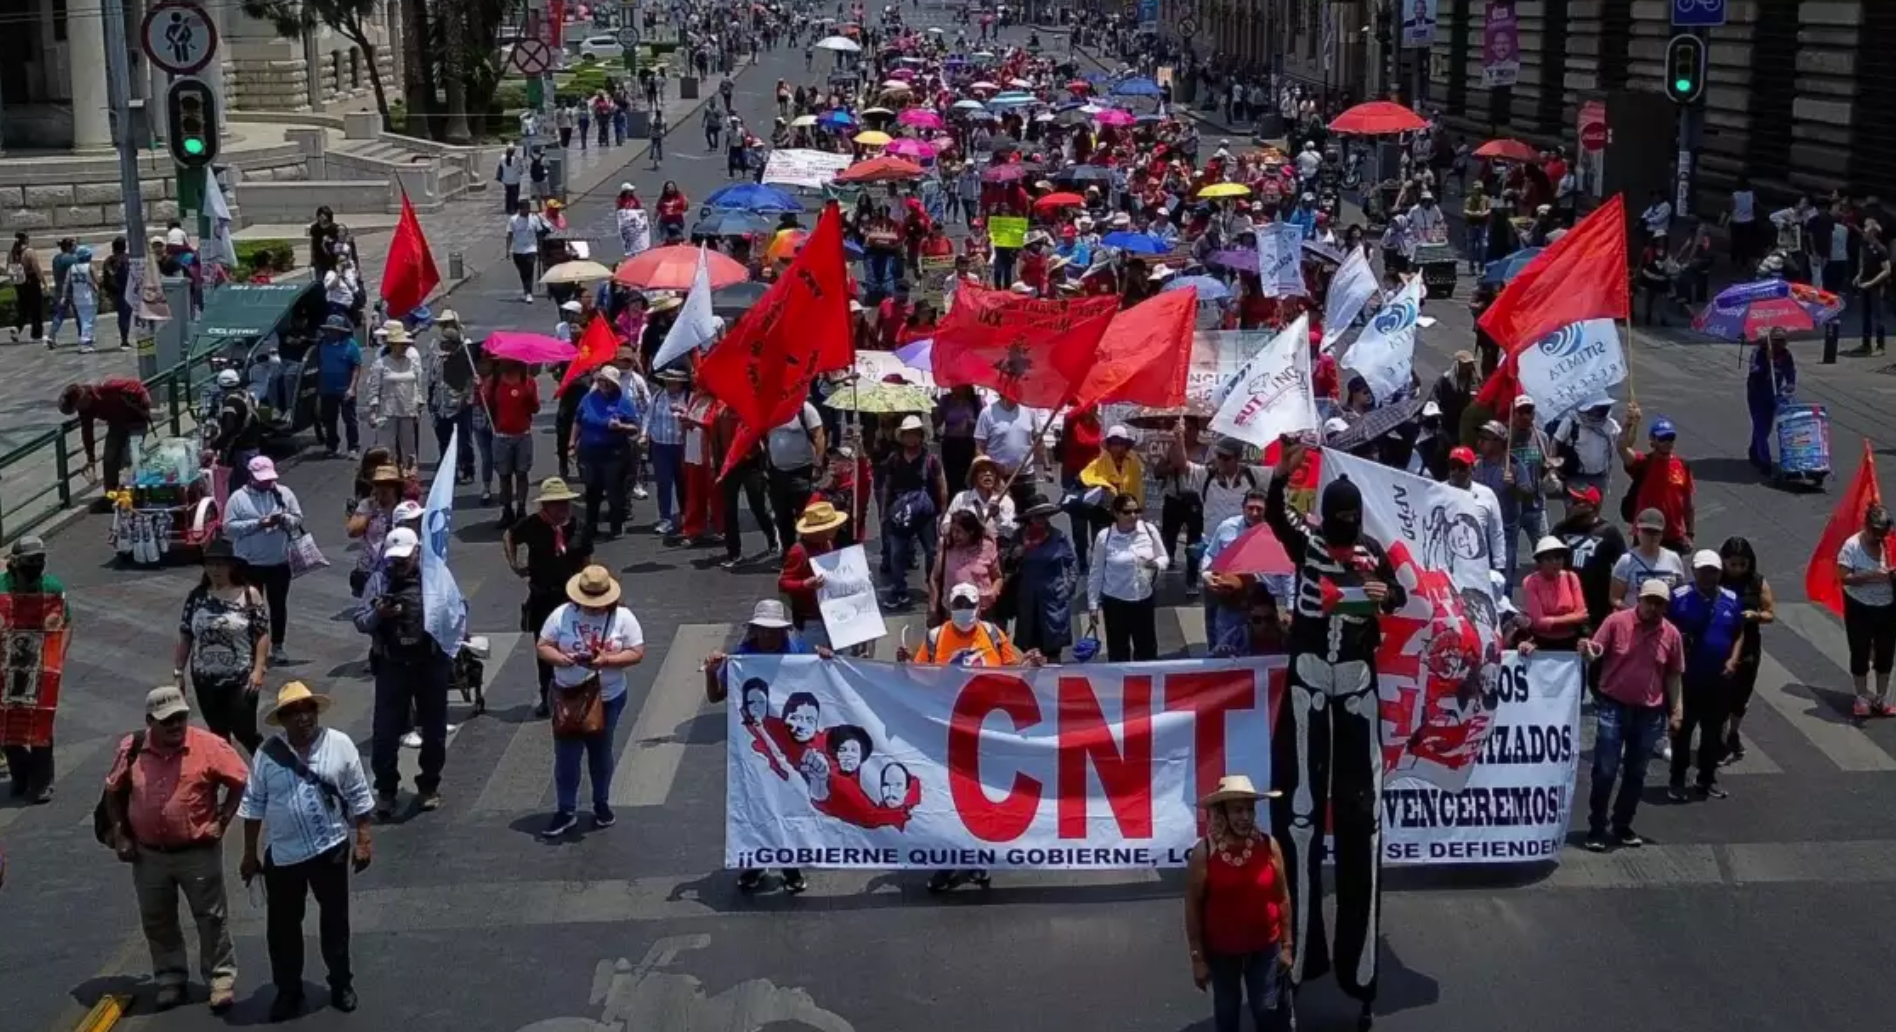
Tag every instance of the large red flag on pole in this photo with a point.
(763, 367)
(410, 275)
(1581, 276)
(1032, 352)
(1821, 583)
(1145, 355)
(596, 347)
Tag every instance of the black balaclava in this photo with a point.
(1341, 496)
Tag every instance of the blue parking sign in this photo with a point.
(1698, 14)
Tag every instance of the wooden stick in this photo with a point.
(1040, 435)
(1632, 388)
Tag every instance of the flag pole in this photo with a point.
(1632, 386)
(1040, 435)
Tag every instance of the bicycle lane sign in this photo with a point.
(1698, 14)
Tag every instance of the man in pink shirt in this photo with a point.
(1642, 660)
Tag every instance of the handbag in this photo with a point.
(579, 711)
(305, 556)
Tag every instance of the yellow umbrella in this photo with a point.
(872, 138)
(803, 121)
(576, 272)
(1217, 190)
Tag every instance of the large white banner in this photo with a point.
(1280, 259)
(1097, 767)
(1273, 395)
(1440, 524)
(1350, 289)
(1571, 365)
(812, 169)
(1385, 353)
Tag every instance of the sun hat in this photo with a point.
(1654, 588)
(1118, 432)
(218, 550)
(1549, 544)
(1495, 428)
(666, 303)
(1707, 559)
(593, 586)
(911, 423)
(570, 306)
(553, 489)
(1037, 505)
(770, 613)
(294, 693)
(165, 702)
(262, 470)
(32, 544)
(338, 324)
(610, 374)
(397, 334)
(385, 475)
(819, 517)
(448, 317)
(400, 543)
(409, 509)
(1650, 519)
(1234, 788)
(982, 464)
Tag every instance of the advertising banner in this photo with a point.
(1500, 45)
(843, 764)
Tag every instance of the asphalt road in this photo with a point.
(1729, 920)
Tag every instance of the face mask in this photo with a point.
(963, 619)
(1340, 497)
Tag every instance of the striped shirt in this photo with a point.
(299, 820)
(661, 423)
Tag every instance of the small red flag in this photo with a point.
(763, 367)
(1498, 391)
(1581, 276)
(1032, 352)
(1145, 354)
(596, 347)
(1821, 583)
(410, 275)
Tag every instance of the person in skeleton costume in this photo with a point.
(1327, 757)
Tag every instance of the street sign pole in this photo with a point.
(1691, 121)
(118, 94)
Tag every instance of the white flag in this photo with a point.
(443, 609)
(1350, 289)
(696, 326)
(1385, 353)
(1272, 395)
(218, 249)
(1280, 260)
(1572, 365)
(1440, 524)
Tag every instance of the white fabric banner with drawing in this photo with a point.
(1273, 394)
(811, 169)
(1385, 353)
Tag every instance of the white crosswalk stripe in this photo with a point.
(653, 753)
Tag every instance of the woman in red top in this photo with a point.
(1238, 911)
(672, 206)
(816, 535)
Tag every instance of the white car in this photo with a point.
(600, 48)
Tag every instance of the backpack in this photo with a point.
(101, 811)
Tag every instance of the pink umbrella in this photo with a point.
(1114, 116)
(921, 118)
(914, 149)
(531, 348)
(903, 74)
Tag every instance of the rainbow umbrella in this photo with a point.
(1749, 311)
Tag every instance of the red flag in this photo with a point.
(1145, 354)
(410, 275)
(1499, 389)
(1030, 351)
(596, 347)
(1581, 276)
(763, 367)
(1821, 583)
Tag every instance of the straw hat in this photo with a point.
(398, 334)
(553, 489)
(983, 463)
(666, 303)
(291, 694)
(819, 517)
(593, 586)
(1235, 787)
(385, 475)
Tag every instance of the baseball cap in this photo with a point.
(165, 702)
(769, 612)
(1119, 433)
(1650, 519)
(1495, 428)
(1706, 559)
(1430, 408)
(964, 593)
(263, 470)
(400, 543)
(1654, 588)
(1523, 401)
(1588, 494)
(407, 510)
(1462, 454)
(1663, 430)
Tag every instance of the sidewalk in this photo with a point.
(1209, 119)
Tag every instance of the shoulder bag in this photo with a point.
(101, 811)
(280, 752)
(579, 711)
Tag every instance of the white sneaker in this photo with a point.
(411, 740)
(451, 728)
(640, 493)
(526, 298)
(1665, 749)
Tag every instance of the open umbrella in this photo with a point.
(531, 348)
(1255, 551)
(913, 149)
(878, 397)
(1507, 150)
(1113, 116)
(567, 273)
(1218, 190)
(1013, 100)
(738, 298)
(1502, 270)
(1208, 288)
(904, 74)
(1378, 118)
(803, 121)
(968, 105)
(836, 118)
(674, 268)
(880, 170)
(1054, 201)
(1085, 174)
(841, 44)
(1137, 87)
(1136, 243)
(874, 138)
(1079, 86)
(983, 86)
(1239, 259)
(731, 224)
(877, 112)
(755, 197)
(920, 118)
(895, 86)
(1003, 173)
(1749, 311)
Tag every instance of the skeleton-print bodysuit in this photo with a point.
(1326, 749)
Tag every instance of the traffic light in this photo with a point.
(191, 122)
(1685, 69)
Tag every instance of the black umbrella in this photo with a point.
(731, 224)
(1085, 174)
(737, 298)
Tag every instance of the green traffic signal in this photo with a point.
(194, 146)
(1682, 85)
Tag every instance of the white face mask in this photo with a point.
(963, 619)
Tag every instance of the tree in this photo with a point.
(350, 18)
(453, 16)
(418, 65)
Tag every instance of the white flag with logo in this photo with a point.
(1280, 260)
(1439, 524)
(1572, 365)
(696, 326)
(1350, 289)
(1385, 353)
(443, 608)
(1272, 395)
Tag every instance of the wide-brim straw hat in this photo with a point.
(593, 586)
(1235, 788)
(385, 475)
(819, 517)
(980, 463)
(291, 694)
(554, 489)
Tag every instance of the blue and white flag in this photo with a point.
(1571, 365)
(1350, 289)
(1385, 353)
(696, 326)
(1280, 260)
(443, 610)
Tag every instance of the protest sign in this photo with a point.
(847, 598)
(1280, 259)
(1007, 231)
(810, 169)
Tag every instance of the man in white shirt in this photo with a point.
(1005, 432)
(524, 230)
(1427, 224)
(1592, 434)
(512, 169)
(1461, 468)
(796, 451)
(1309, 160)
(1220, 486)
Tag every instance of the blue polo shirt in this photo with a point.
(596, 412)
(337, 358)
(1710, 626)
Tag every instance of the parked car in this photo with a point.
(600, 48)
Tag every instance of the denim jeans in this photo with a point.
(882, 273)
(1626, 738)
(668, 479)
(1477, 244)
(1531, 525)
(1253, 978)
(404, 689)
(597, 750)
(901, 548)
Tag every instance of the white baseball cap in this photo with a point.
(400, 543)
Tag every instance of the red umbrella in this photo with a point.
(673, 268)
(1508, 150)
(880, 170)
(1058, 200)
(1255, 551)
(1079, 86)
(1378, 118)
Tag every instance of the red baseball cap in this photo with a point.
(1462, 454)
(1588, 494)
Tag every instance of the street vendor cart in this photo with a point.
(170, 505)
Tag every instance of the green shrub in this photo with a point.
(280, 255)
(510, 96)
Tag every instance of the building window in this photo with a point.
(60, 32)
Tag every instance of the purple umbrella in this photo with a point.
(1242, 259)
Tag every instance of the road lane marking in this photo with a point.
(1817, 720)
(649, 764)
(1755, 761)
(501, 647)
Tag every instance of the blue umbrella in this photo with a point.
(1208, 289)
(1136, 88)
(836, 116)
(982, 116)
(730, 223)
(755, 197)
(1137, 243)
(1502, 271)
(1013, 100)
